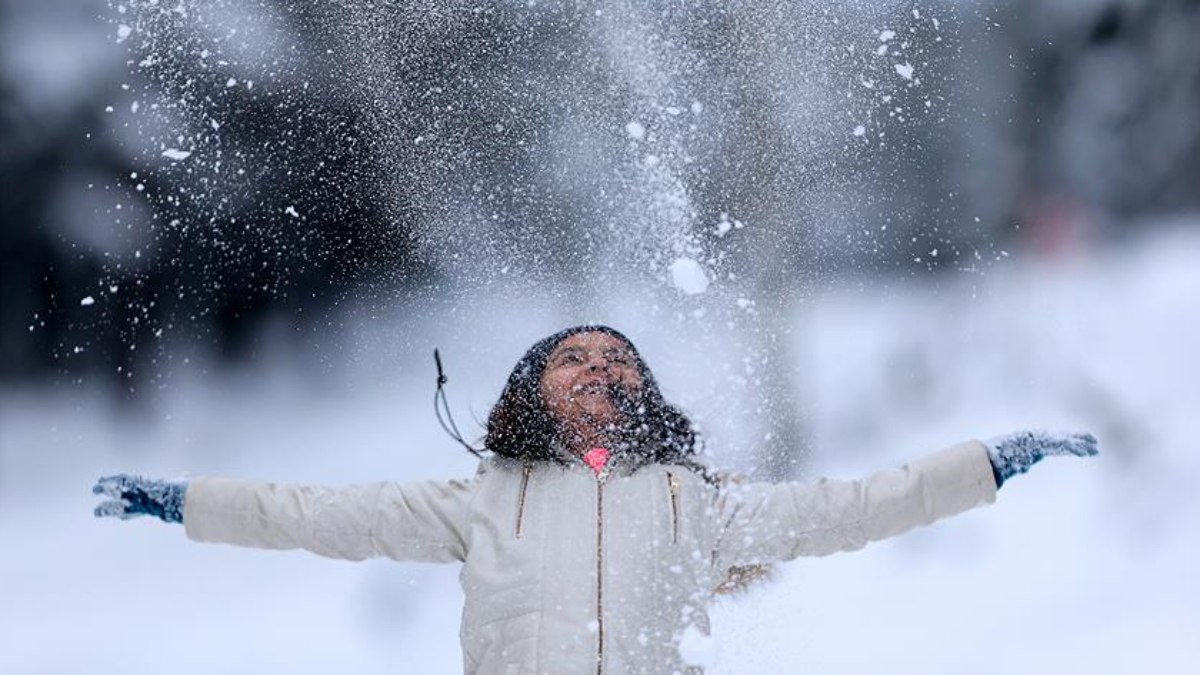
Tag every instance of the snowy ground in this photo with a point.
(1082, 566)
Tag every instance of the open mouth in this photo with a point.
(591, 389)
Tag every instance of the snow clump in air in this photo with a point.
(688, 276)
(725, 224)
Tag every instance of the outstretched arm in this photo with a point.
(766, 523)
(413, 521)
(774, 522)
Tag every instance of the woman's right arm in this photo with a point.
(424, 521)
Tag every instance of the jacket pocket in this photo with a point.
(519, 527)
(673, 489)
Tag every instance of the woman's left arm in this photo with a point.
(773, 522)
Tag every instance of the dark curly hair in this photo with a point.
(520, 427)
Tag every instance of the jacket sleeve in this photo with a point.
(423, 522)
(764, 523)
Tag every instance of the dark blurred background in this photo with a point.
(184, 175)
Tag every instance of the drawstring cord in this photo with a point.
(440, 404)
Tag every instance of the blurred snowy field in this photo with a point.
(1081, 566)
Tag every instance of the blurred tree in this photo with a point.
(1103, 100)
(292, 223)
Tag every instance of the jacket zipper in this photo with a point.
(673, 486)
(600, 477)
(521, 499)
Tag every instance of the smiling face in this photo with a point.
(586, 387)
(577, 386)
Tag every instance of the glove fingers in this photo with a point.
(1084, 445)
(114, 508)
(114, 486)
(1080, 445)
(108, 487)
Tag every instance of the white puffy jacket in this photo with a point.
(567, 573)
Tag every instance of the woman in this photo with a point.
(591, 538)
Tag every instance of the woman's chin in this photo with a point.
(600, 419)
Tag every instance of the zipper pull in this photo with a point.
(673, 488)
(525, 471)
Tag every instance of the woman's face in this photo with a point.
(580, 373)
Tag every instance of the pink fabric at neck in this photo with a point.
(596, 458)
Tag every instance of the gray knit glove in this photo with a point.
(133, 496)
(1014, 453)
